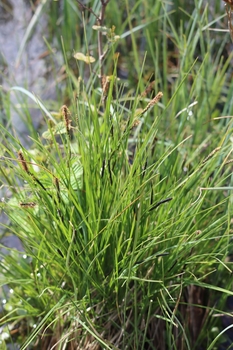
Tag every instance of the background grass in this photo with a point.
(125, 215)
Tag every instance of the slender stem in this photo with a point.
(83, 7)
(100, 36)
(100, 21)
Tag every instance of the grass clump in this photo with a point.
(123, 205)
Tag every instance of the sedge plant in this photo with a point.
(123, 206)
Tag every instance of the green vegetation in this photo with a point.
(123, 202)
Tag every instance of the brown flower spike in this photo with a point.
(23, 161)
(153, 102)
(66, 115)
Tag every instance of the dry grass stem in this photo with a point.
(229, 8)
